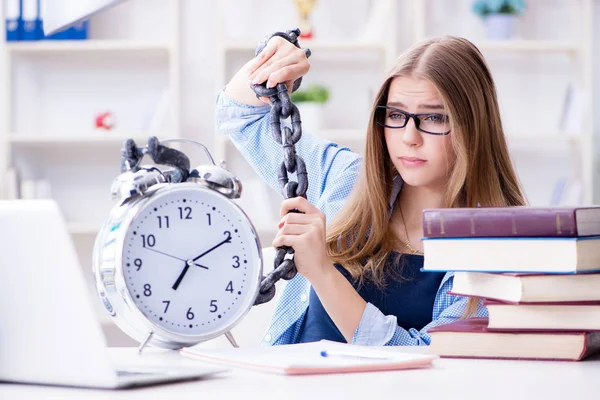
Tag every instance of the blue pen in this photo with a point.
(329, 353)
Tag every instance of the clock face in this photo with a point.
(191, 261)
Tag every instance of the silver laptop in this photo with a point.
(49, 331)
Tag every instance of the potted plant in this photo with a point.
(499, 16)
(310, 102)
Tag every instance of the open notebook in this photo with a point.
(324, 357)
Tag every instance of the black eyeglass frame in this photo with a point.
(408, 116)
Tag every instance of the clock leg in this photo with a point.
(231, 339)
(145, 342)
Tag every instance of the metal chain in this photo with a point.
(282, 108)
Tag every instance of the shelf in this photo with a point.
(345, 135)
(86, 46)
(548, 46)
(359, 135)
(99, 138)
(485, 45)
(313, 45)
(554, 138)
(86, 138)
(334, 135)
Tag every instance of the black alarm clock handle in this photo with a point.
(164, 155)
(131, 157)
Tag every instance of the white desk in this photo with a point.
(465, 379)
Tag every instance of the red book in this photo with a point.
(518, 221)
(471, 338)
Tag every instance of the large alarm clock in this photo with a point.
(177, 264)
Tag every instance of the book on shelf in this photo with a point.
(471, 338)
(523, 254)
(528, 288)
(543, 316)
(517, 221)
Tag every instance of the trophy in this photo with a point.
(305, 7)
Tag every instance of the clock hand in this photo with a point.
(183, 272)
(228, 240)
(187, 265)
(177, 258)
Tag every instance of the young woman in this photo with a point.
(434, 140)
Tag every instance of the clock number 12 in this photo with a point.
(185, 212)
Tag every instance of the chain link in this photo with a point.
(283, 108)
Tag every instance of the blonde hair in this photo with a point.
(360, 237)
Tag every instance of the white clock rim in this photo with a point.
(136, 324)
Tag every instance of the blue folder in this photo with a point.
(32, 23)
(14, 23)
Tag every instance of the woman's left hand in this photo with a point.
(305, 233)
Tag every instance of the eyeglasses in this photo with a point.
(434, 124)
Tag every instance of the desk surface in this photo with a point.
(449, 378)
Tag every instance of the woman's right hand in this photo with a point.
(280, 61)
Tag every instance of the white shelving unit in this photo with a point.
(315, 45)
(53, 90)
(88, 46)
(85, 139)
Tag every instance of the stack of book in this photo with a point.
(537, 271)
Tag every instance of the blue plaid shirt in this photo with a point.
(332, 171)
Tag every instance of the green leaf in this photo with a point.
(314, 93)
